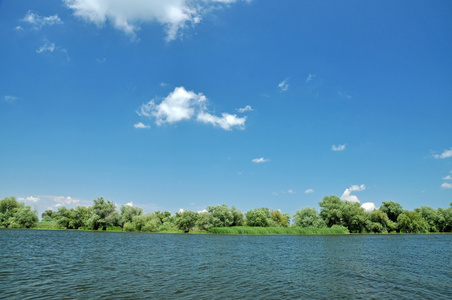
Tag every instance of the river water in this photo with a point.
(48, 264)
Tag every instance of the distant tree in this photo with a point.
(279, 219)
(14, 214)
(334, 211)
(412, 222)
(128, 212)
(186, 220)
(204, 221)
(47, 215)
(259, 217)
(432, 216)
(147, 223)
(445, 219)
(238, 217)
(379, 222)
(308, 217)
(163, 215)
(392, 209)
(103, 214)
(221, 215)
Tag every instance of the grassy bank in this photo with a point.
(278, 230)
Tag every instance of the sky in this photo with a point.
(184, 104)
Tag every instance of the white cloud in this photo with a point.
(226, 121)
(260, 160)
(47, 47)
(245, 109)
(11, 98)
(18, 28)
(446, 185)
(177, 106)
(310, 77)
(141, 125)
(182, 105)
(283, 85)
(126, 16)
(290, 191)
(309, 191)
(445, 154)
(338, 147)
(39, 21)
(368, 206)
(129, 204)
(347, 195)
(448, 177)
(65, 200)
(29, 198)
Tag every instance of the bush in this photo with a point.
(129, 227)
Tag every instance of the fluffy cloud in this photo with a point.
(260, 160)
(446, 185)
(448, 177)
(347, 195)
(368, 206)
(283, 85)
(445, 154)
(129, 204)
(338, 147)
(174, 15)
(309, 191)
(47, 47)
(39, 21)
(245, 109)
(182, 105)
(141, 125)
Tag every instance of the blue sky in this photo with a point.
(184, 104)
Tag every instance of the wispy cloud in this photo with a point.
(289, 191)
(127, 16)
(245, 109)
(309, 191)
(343, 94)
(448, 177)
(347, 195)
(182, 105)
(310, 77)
(445, 154)
(9, 98)
(446, 185)
(38, 21)
(284, 85)
(18, 28)
(29, 199)
(260, 160)
(338, 147)
(140, 125)
(47, 47)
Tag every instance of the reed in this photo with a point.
(277, 230)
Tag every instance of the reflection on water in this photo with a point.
(39, 264)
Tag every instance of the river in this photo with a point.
(53, 264)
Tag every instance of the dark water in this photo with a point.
(40, 264)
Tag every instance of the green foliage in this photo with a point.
(15, 214)
(114, 228)
(128, 212)
(221, 215)
(348, 214)
(204, 221)
(147, 223)
(392, 209)
(378, 222)
(308, 217)
(278, 230)
(259, 217)
(280, 219)
(238, 217)
(412, 222)
(103, 214)
(186, 220)
(129, 227)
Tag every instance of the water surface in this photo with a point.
(48, 264)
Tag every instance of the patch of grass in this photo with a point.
(277, 230)
(114, 228)
(48, 225)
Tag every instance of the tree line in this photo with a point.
(103, 215)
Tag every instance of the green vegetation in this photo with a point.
(278, 230)
(335, 217)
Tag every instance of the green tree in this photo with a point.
(412, 222)
(14, 214)
(147, 223)
(279, 219)
(204, 221)
(238, 217)
(432, 216)
(186, 220)
(47, 215)
(259, 217)
(348, 214)
(221, 215)
(128, 212)
(392, 209)
(103, 214)
(308, 217)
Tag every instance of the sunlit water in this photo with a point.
(47, 264)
